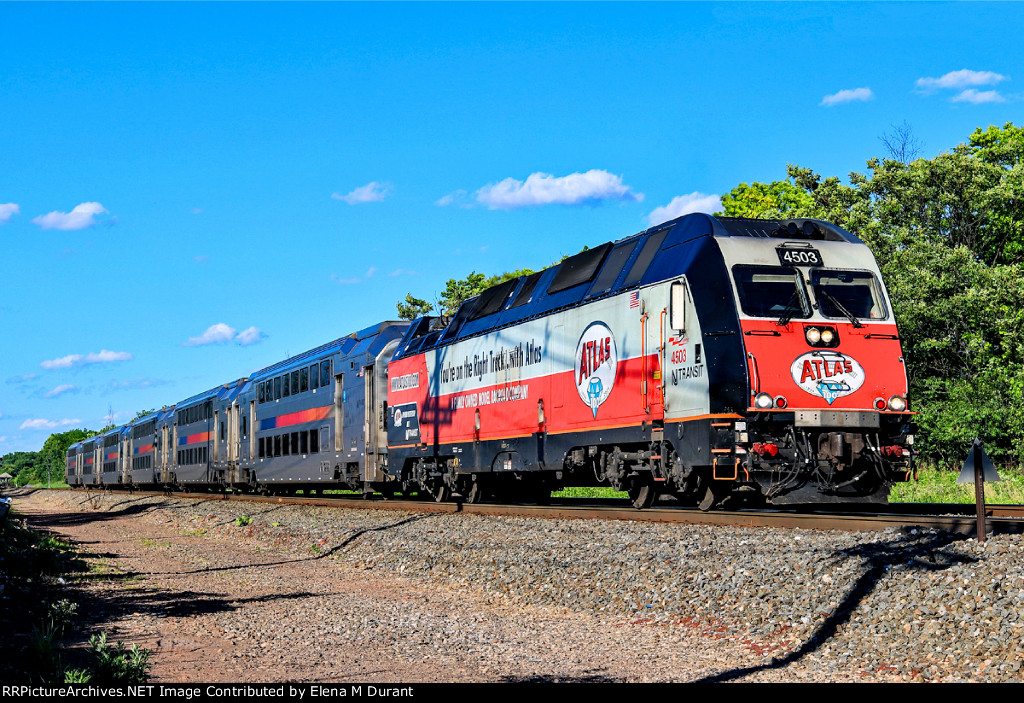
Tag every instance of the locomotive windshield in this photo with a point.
(771, 291)
(845, 293)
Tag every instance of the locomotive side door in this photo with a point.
(684, 368)
(651, 362)
(376, 425)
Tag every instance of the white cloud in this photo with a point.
(43, 424)
(7, 211)
(65, 362)
(544, 189)
(372, 192)
(23, 378)
(66, 388)
(214, 334)
(958, 80)
(250, 336)
(104, 356)
(84, 215)
(975, 97)
(459, 197)
(684, 205)
(221, 333)
(848, 96)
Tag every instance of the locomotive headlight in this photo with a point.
(827, 335)
(813, 335)
(763, 401)
(897, 403)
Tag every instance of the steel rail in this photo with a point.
(958, 519)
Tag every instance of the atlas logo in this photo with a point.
(828, 374)
(596, 362)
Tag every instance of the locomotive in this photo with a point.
(713, 359)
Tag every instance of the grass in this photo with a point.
(940, 486)
(39, 612)
(932, 486)
(589, 492)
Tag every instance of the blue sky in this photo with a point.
(190, 192)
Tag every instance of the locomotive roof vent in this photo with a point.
(797, 228)
(809, 230)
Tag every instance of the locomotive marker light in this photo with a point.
(978, 468)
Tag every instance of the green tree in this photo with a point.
(53, 455)
(766, 201)
(411, 308)
(948, 234)
(21, 465)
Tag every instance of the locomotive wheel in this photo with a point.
(708, 501)
(475, 494)
(643, 494)
(442, 493)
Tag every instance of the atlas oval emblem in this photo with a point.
(827, 374)
(596, 363)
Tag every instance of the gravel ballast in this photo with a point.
(459, 597)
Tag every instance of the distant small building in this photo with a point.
(5, 480)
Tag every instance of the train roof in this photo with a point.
(354, 343)
(115, 430)
(603, 271)
(198, 397)
(145, 418)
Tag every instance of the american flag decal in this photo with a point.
(634, 299)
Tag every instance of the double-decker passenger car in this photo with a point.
(318, 418)
(72, 470)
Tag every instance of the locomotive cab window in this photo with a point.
(853, 292)
(771, 291)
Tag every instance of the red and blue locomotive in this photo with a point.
(711, 358)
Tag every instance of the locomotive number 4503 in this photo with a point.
(799, 257)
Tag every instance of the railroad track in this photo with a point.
(957, 518)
